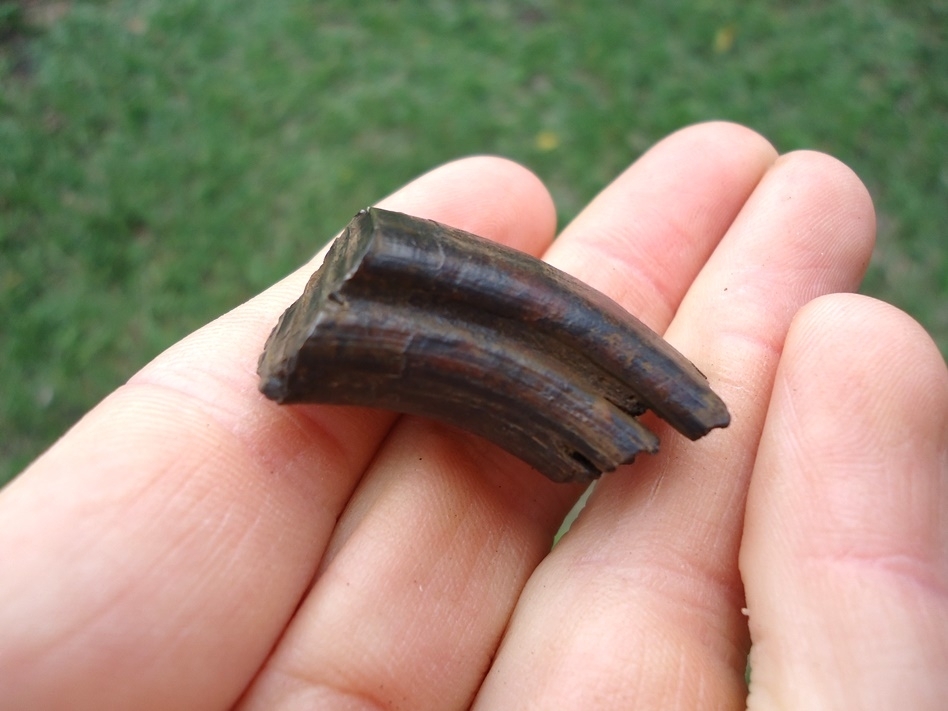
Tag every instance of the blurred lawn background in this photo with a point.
(161, 161)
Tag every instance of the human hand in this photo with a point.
(190, 545)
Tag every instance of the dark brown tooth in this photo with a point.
(415, 316)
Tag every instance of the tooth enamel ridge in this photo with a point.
(417, 317)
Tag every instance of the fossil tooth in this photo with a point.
(414, 316)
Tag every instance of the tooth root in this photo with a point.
(417, 317)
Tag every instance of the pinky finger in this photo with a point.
(845, 549)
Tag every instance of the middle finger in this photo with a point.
(646, 582)
(437, 543)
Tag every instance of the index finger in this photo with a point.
(164, 542)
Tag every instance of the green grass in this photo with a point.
(162, 161)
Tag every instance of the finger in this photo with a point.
(645, 238)
(844, 554)
(430, 557)
(164, 542)
(644, 588)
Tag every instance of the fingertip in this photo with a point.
(737, 137)
(838, 182)
(886, 358)
(490, 196)
(646, 235)
(836, 317)
(834, 194)
(861, 387)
